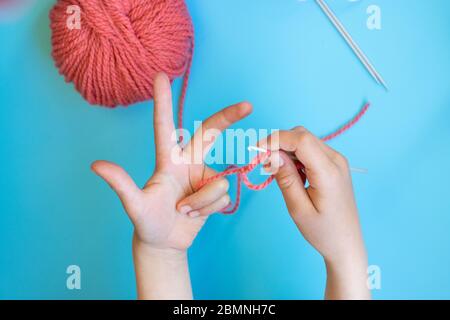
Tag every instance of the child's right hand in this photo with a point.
(325, 212)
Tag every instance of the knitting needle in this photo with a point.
(356, 49)
(293, 157)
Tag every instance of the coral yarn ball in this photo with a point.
(115, 48)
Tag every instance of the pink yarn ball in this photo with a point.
(120, 45)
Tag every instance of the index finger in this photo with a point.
(205, 136)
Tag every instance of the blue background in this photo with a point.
(288, 60)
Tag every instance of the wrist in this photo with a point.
(161, 273)
(347, 277)
(346, 268)
(147, 251)
(350, 260)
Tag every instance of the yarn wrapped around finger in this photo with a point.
(114, 53)
(243, 171)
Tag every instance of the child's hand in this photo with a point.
(168, 213)
(325, 212)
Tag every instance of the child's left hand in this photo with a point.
(167, 213)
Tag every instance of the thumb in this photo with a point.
(120, 182)
(292, 187)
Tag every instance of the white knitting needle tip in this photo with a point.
(359, 170)
(352, 169)
(254, 148)
(381, 80)
(353, 45)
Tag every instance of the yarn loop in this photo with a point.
(242, 172)
(114, 56)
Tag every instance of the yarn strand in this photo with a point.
(242, 172)
(181, 105)
(113, 56)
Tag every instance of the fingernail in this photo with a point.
(185, 209)
(194, 214)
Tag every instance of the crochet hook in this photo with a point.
(293, 157)
(353, 45)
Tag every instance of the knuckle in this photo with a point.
(341, 161)
(299, 129)
(305, 138)
(333, 173)
(285, 181)
(226, 117)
